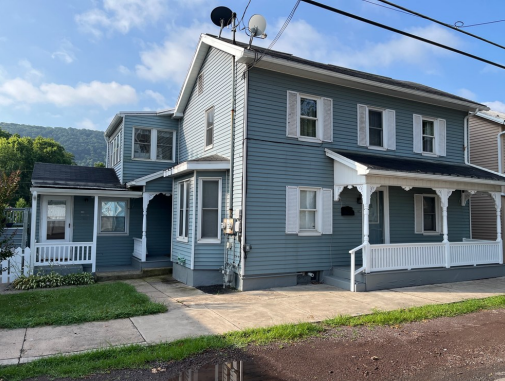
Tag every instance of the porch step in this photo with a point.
(343, 283)
(131, 274)
(152, 262)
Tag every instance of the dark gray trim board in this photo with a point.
(196, 278)
(396, 279)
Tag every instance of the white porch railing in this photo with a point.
(70, 253)
(137, 249)
(15, 266)
(475, 253)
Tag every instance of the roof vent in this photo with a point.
(200, 84)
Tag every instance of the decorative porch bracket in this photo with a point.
(444, 201)
(146, 198)
(466, 195)
(336, 192)
(366, 191)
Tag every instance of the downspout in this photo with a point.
(244, 176)
(232, 137)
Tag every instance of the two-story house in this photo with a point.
(272, 169)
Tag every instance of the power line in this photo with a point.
(442, 23)
(328, 8)
(482, 23)
(383, 6)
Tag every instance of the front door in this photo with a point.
(56, 219)
(376, 218)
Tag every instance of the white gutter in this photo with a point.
(500, 152)
(86, 192)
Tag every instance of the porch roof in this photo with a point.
(372, 164)
(205, 163)
(75, 177)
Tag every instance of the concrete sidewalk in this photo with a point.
(194, 313)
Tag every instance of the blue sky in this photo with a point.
(75, 63)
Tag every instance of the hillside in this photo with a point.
(87, 146)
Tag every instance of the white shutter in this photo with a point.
(390, 129)
(292, 210)
(293, 117)
(418, 133)
(362, 125)
(327, 212)
(327, 119)
(440, 137)
(418, 207)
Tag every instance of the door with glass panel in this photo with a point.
(56, 219)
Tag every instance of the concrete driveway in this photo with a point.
(193, 313)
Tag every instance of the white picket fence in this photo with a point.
(15, 266)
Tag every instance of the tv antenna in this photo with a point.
(257, 27)
(222, 17)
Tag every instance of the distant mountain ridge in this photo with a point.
(87, 146)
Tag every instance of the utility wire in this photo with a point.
(462, 25)
(442, 23)
(383, 6)
(328, 8)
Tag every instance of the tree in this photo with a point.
(8, 187)
(99, 164)
(21, 153)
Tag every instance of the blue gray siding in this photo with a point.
(162, 184)
(133, 168)
(83, 219)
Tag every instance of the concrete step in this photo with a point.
(343, 283)
(132, 274)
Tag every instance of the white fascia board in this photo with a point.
(118, 118)
(360, 168)
(85, 192)
(189, 166)
(378, 172)
(143, 180)
(492, 118)
(308, 71)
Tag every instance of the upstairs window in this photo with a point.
(209, 128)
(115, 149)
(153, 144)
(429, 136)
(376, 128)
(309, 118)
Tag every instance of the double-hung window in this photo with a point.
(183, 211)
(309, 211)
(427, 214)
(115, 149)
(429, 136)
(376, 128)
(113, 216)
(309, 117)
(209, 128)
(153, 144)
(209, 210)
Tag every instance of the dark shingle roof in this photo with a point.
(396, 164)
(72, 176)
(211, 158)
(355, 73)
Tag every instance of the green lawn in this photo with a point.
(72, 305)
(139, 356)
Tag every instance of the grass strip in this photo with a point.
(138, 356)
(97, 302)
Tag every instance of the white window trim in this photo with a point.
(99, 217)
(179, 237)
(438, 218)
(319, 213)
(115, 156)
(154, 143)
(434, 120)
(319, 132)
(209, 146)
(200, 187)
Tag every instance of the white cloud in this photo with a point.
(66, 52)
(495, 106)
(121, 16)
(31, 74)
(158, 98)
(171, 60)
(124, 70)
(465, 93)
(86, 124)
(21, 91)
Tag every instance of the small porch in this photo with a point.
(384, 254)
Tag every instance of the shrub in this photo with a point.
(52, 280)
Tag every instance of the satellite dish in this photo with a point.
(257, 25)
(221, 16)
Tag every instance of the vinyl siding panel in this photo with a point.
(134, 168)
(484, 142)
(483, 216)
(162, 184)
(83, 219)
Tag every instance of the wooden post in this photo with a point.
(366, 191)
(95, 234)
(496, 196)
(32, 231)
(146, 197)
(444, 201)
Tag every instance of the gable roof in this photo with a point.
(72, 176)
(494, 116)
(287, 63)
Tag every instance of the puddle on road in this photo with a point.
(231, 371)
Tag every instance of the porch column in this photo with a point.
(145, 204)
(496, 196)
(95, 233)
(444, 201)
(32, 231)
(366, 191)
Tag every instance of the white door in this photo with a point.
(56, 219)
